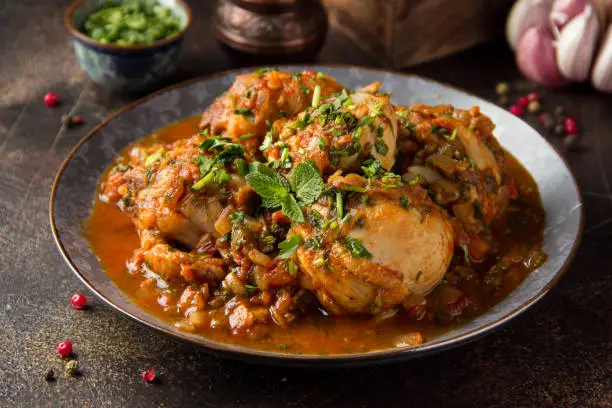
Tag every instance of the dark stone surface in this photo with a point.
(558, 354)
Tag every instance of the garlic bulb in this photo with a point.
(565, 10)
(576, 44)
(524, 15)
(601, 76)
(535, 57)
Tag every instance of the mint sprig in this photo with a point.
(304, 188)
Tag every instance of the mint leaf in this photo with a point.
(291, 208)
(266, 186)
(270, 202)
(257, 167)
(289, 246)
(306, 183)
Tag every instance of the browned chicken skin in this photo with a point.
(372, 241)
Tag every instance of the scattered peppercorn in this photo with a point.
(559, 111)
(502, 88)
(50, 375)
(70, 121)
(571, 141)
(534, 96)
(503, 100)
(72, 367)
(517, 110)
(64, 348)
(523, 101)
(51, 99)
(547, 120)
(570, 125)
(559, 129)
(148, 375)
(534, 106)
(78, 301)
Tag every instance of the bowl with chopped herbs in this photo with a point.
(128, 45)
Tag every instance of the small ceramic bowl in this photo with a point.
(130, 68)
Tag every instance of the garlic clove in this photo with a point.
(576, 44)
(535, 57)
(563, 11)
(601, 77)
(524, 15)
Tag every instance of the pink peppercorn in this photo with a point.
(517, 110)
(78, 120)
(51, 99)
(64, 348)
(523, 101)
(78, 301)
(534, 96)
(571, 127)
(148, 375)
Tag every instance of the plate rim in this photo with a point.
(266, 356)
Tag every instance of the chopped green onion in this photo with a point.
(203, 182)
(333, 225)
(348, 187)
(316, 96)
(152, 158)
(319, 262)
(292, 267)
(339, 205)
(246, 136)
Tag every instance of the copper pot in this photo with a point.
(285, 28)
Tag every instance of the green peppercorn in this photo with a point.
(72, 367)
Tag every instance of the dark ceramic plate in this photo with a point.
(75, 186)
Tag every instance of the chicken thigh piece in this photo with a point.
(178, 189)
(454, 154)
(255, 100)
(338, 133)
(383, 246)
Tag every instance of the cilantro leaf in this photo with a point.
(306, 182)
(289, 246)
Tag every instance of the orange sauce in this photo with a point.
(113, 238)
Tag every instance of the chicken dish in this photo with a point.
(301, 216)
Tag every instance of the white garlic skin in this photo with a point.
(535, 57)
(601, 77)
(576, 45)
(526, 14)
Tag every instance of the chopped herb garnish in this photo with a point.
(334, 225)
(379, 131)
(381, 147)
(320, 75)
(356, 248)
(289, 246)
(292, 268)
(404, 203)
(267, 142)
(466, 253)
(316, 96)
(203, 182)
(120, 168)
(246, 112)
(415, 180)
(250, 290)
(282, 114)
(153, 158)
(314, 242)
(452, 136)
(322, 143)
(261, 71)
(248, 93)
(237, 218)
(348, 187)
(339, 205)
(246, 136)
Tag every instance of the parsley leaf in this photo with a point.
(246, 112)
(307, 183)
(289, 246)
(381, 147)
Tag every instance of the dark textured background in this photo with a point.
(558, 354)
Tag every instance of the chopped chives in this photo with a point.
(316, 96)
